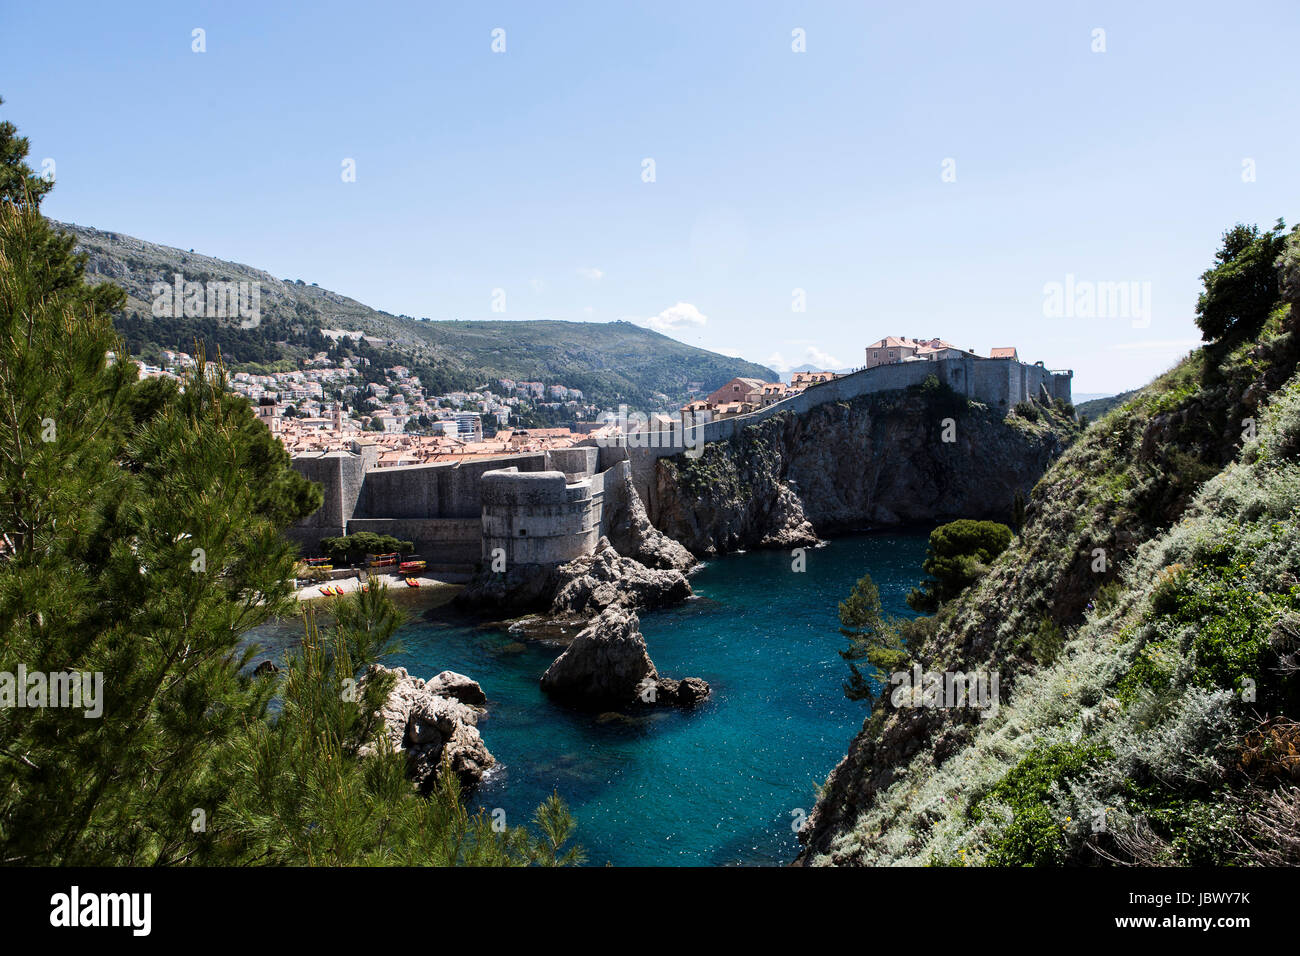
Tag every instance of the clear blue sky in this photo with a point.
(775, 170)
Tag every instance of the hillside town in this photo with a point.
(326, 406)
(335, 406)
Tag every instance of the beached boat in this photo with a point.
(412, 583)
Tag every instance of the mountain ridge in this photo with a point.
(611, 362)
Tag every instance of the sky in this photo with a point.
(786, 182)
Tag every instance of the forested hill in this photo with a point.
(611, 362)
(1097, 407)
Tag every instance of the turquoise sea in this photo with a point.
(718, 785)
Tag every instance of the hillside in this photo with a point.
(611, 362)
(1146, 629)
(1097, 407)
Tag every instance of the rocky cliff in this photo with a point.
(910, 456)
(1146, 629)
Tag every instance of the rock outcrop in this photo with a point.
(430, 726)
(876, 461)
(607, 665)
(588, 585)
(634, 536)
(458, 687)
(583, 587)
(521, 588)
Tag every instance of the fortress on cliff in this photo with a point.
(550, 507)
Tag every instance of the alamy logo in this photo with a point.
(949, 689)
(1083, 299)
(74, 908)
(210, 300)
(35, 689)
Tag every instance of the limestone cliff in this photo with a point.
(907, 456)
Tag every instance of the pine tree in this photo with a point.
(311, 794)
(141, 541)
(872, 637)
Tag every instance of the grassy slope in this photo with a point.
(1151, 706)
(610, 362)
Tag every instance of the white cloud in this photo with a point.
(812, 355)
(675, 318)
(815, 356)
(590, 272)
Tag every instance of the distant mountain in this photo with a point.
(786, 376)
(1097, 407)
(611, 362)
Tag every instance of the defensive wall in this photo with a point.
(538, 507)
(1000, 384)
(548, 507)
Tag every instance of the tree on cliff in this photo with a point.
(959, 554)
(141, 541)
(876, 639)
(1242, 287)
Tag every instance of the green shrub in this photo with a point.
(351, 548)
(1047, 641)
(941, 399)
(959, 554)
(1027, 410)
(1153, 670)
(1242, 287)
(1035, 835)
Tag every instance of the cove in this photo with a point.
(721, 784)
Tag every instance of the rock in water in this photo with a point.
(430, 727)
(607, 664)
(590, 584)
(523, 587)
(458, 687)
(585, 586)
(692, 690)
